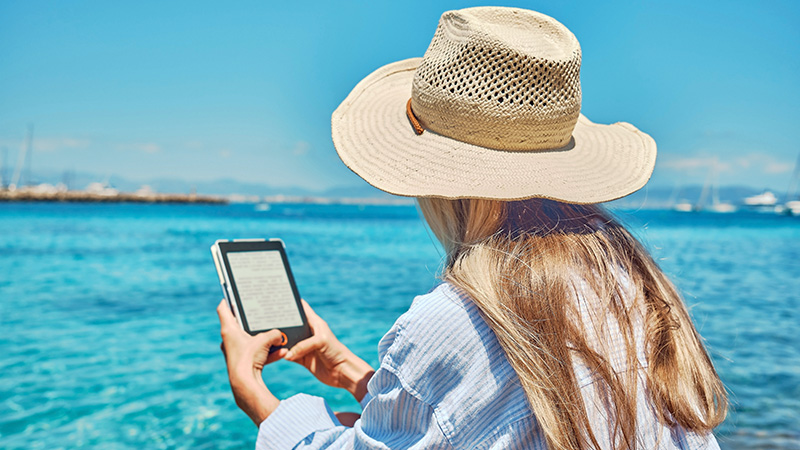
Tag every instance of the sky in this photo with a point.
(206, 90)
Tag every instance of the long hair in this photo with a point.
(559, 283)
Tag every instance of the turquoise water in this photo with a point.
(110, 339)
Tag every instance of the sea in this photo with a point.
(109, 336)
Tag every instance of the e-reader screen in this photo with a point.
(264, 289)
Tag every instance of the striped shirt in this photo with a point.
(444, 383)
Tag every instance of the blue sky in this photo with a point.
(204, 90)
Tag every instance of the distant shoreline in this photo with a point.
(263, 203)
(91, 197)
(31, 195)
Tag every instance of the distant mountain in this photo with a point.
(222, 186)
(226, 186)
(648, 197)
(663, 197)
(357, 191)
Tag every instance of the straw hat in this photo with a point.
(492, 110)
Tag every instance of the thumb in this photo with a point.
(261, 345)
(226, 318)
(304, 347)
(272, 338)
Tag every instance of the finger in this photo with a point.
(314, 320)
(225, 315)
(272, 338)
(304, 347)
(307, 308)
(277, 355)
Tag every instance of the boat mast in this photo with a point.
(3, 168)
(793, 182)
(23, 158)
(707, 186)
(673, 197)
(29, 155)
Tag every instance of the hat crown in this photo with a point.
(502, 78)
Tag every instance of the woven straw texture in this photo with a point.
(505, 78)
(498, 93)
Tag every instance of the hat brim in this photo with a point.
(374, 138)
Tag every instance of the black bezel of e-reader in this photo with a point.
(293, 334)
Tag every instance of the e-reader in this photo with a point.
(258, 284)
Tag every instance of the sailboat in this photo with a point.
(24, 160)
(679, 205)
(683, 206)
(711, 186)
(792, 205)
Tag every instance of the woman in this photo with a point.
(553, 328)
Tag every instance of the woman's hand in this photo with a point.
(329, 360)
(245, 356)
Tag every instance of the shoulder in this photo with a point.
(445, 303)
(445, 354)
(445, 306)
(439, 326)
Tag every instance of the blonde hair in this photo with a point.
(527, 264)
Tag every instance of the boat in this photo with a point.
(721, 208)
(681, 205)
(792, 205)
(792, 208)
(765, 202)
(711, 186)
(766, 198)
(145, 191)
(101, 189)
(23, 161)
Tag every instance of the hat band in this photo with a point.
(413, 119)
(489, 129)
(419, 129)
